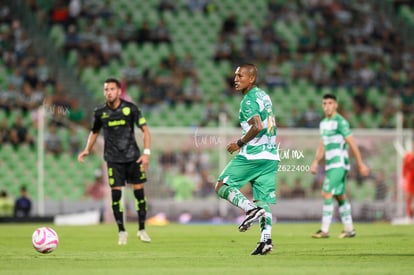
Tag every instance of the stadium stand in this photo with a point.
(303, 49)
(319, 48)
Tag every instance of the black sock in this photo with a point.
(117, 209)
(141, 207)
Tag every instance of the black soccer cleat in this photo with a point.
(263, 248)
(251, 216)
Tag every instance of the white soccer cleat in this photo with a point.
(143, 236)
(122, 238)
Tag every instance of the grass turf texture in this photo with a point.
(210, 249)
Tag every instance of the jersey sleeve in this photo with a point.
(97, 122)
(344, 128)
(139, 118)
(249, 109)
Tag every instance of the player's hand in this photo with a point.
(232, 147)
(144, 160)
(363, 170)
(82, 155)
(314, 168)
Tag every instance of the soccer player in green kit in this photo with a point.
(336, 137)
(257, 160)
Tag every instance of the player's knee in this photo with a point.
(116, 195)
(218, 185)
(327, 195)
(340, 198)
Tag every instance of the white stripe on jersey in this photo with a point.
(330, 154)
(337, 165)
(328, 125)
(333, 139)
(261, 155)
(262, 140)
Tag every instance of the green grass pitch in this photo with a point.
(210, 249)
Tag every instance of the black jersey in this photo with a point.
(118, 130)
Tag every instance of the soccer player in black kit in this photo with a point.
(125, 162)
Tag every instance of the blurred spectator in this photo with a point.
(144, 33)
(131, 73)
(210, 114)
(273, 77)
(75, 9)
(407, 104)
(319, 74)
(21, 45)
(43, 73)
(229, 25)
(250, 37)
(31, 77)
(283, 189)
(111, 48)
(386, 122)
(294, 119)
(59, 13)
(192, 92)
(224, 49)
(305, 42)
(6, 204)
(187, 66)
(23, 204)
(196, 6)
(16, 79)
(76, 114)
(206, 184)
(381, 188)
(106, 10)
(72, 40)
(4, 132)
(152, 96)
(53, 142)
(360, 101)
(168, 159)
(166, 5)
(60, 101)
(297, 191)
(127, 30)
(74, 141)
(97, 189)
(161, 34)
(182, 185)
(311, 116)
(213, 113)
(19, 134)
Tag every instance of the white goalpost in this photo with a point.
(402, 145)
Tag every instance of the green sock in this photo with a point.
(235, 197)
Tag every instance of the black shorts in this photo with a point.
(129, 172)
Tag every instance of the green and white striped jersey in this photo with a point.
(333, 131)
(263, 146)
